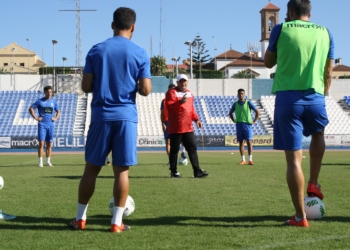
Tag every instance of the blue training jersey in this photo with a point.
(46, 109)
(116, 64)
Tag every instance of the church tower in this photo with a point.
(269, 18)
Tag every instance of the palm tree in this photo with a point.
(158, 66)
(3, 71)
(243, 74)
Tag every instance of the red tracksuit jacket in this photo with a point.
(180, 115)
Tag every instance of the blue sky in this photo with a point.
(232, 22)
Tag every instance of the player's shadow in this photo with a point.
(76, 177)
(94, 223)
(335, 164)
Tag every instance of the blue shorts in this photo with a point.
(166, 135)
(45, 132)
(120, 137)
(291, 122)
(244, 131)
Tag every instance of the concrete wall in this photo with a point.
(221, 87)
(24, 82)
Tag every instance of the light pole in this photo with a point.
(64, 59)
(214, 51)
(13, 59)
(28, 55)
(53, 67)
(191, 44)
(177, 66)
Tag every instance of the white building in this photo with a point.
(232, 61)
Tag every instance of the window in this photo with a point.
(5, 64)
(21, 64)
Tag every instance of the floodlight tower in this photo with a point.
(78, 58)
(78, 50)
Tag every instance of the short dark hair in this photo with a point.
(171, 86)
(240, 90)
(300, 7)
(47, 88)
(124, 18)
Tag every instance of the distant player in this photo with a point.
(304, 53)
(244, 131)
(115, 71)
(108, 161)
(164, 120)
(47, 107)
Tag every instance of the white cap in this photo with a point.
(182, 76)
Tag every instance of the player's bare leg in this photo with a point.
(250, 152)
(48, 149)
(41, 152)
(120, 193)
(316, 151)
(121, 185)
(41, 149)
(87, 183)
(48, 153)
(241, 150)
(295, 180)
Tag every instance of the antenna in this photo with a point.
(151, 47)
(253, 48)
(160, 31)
(78, 47)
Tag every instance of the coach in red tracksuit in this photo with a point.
(181, 114)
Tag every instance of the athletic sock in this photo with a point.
(40, 160)
(117, 215)
(297, 219)
(81, 213)
(250, 157)
(108, 159)
(48, 160)
(183, 149)
(243, 158)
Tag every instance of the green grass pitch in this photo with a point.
(236, 207)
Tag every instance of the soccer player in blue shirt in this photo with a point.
(242, 109)
(115, 71)
(46, 106)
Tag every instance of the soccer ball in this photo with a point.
(129, 206)
(1, 182)
(183, 161)
(314, 208)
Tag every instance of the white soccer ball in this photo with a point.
(314, 208)
(183, 161)
(129, 206)
(1, 182)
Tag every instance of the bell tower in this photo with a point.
(269, 18)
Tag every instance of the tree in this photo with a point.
(243, 74)
(3, 71)
(158, 66)
(199, 53)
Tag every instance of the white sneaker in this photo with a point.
(41, 165)
(4, 216)
(49, 164)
